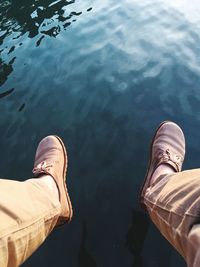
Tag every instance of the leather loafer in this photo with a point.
(167, 147)
(51, 159)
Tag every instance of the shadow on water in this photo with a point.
(37, 18)
(84, 258)
(29, 16)
(5, 70)
(136, 236)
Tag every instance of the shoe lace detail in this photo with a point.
(167, 155)
(42, 167)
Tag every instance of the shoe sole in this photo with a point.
(64, 182)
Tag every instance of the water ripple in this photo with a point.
(101, 75)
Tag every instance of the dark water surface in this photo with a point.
(102, 75)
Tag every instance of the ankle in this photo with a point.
(50, 183)
(162, 169)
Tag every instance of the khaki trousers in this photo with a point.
(28, 213)
(173, 203)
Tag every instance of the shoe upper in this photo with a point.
(168, 147)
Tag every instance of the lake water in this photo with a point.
(102, 75)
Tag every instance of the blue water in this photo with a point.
(102, 75)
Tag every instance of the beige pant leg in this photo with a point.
(28, 213)
(173, 203)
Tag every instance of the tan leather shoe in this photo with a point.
(168, 147)
(51, 159)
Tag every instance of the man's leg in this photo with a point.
(30, 210)
(173, 204)
(171, 197)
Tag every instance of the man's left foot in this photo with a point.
(51, 159)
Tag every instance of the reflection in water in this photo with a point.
(85, 259)
(136, 236)
(102, 85)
